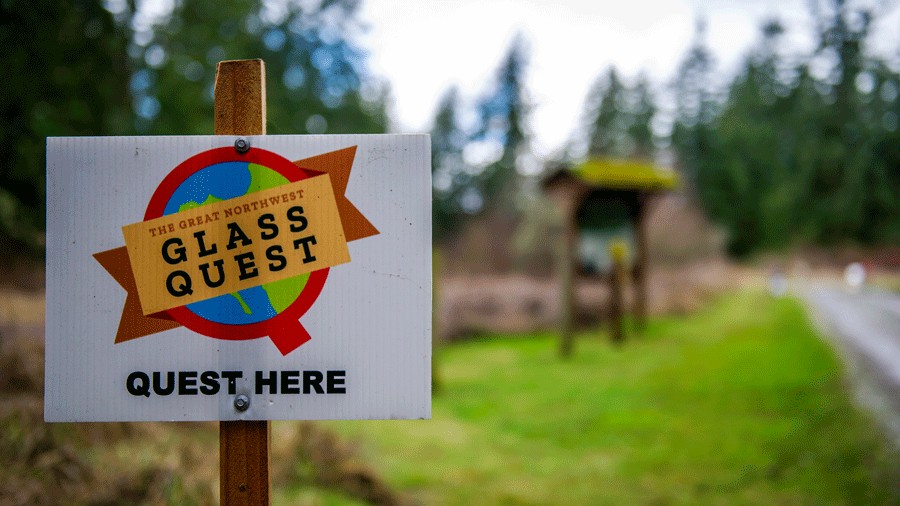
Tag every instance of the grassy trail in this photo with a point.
(739, 404)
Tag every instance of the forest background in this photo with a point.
(793, 150)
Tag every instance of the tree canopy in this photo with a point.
(794, 148)
(88, 67)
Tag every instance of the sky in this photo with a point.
(422, 47)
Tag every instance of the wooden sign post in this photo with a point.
(240, 109)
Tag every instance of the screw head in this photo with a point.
(241, 402)
(242, 145)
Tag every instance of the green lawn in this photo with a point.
(740, 404)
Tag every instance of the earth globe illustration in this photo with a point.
(271, 308)
(223, 181)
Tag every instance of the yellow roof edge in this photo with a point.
(625, 174)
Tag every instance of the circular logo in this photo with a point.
(271, 309)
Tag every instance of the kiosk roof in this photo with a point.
(620, 174)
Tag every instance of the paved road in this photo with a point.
(865, 327)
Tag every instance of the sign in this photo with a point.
(184, 273)
(603, 218)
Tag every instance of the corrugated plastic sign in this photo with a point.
(183, 273)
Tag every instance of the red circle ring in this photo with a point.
(314, 283)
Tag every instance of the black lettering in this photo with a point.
(202, 244)
(296, 214)
(290, 382)
(138, 383)
(306, 241)
(180, 251)
(185, 288)
(269, 229)
(232, 377)
(187, 382)
(271, 382)
(158, 389)
(312, 379)
(204, 269)
(248, 269)
(210, 383)
(274, 253)
(235, 234)
(335, 382)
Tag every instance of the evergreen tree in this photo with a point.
(791, 154)
(316, 75)
(641, 110)
(502, 116)
(837, 192)
(618, 118)
(695, 108)
(65, 73)
(450, 176)
(608, 121)
(750, 171)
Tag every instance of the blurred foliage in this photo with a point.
(619, 118)
(317, 80)
(502, 122)
(794, 149)
(88, 67)
(797, 151)
(65, 73)
(477, 168)
(449, 175)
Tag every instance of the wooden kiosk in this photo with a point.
(604, 204)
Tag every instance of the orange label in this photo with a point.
(227, 246)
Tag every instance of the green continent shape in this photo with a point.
(263, 178)
(243, 304)
(281, 293)
(190, 204)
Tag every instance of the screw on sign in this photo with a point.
(241, 402)
(241, 145)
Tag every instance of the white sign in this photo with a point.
(191, 280)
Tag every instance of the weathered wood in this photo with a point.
(639, 271)
(240, 109)
(616, 285)
(567, 263)
(240, 98)
(244, 463)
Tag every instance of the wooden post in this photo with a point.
(567, 277)
(617, 251)
(240, 109)
(639, 271)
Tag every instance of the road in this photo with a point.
(865, 328)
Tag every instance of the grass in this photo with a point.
(739, 404)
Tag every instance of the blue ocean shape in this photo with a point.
(224, 181)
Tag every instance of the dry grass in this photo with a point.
(83, 463)
(517, 303)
